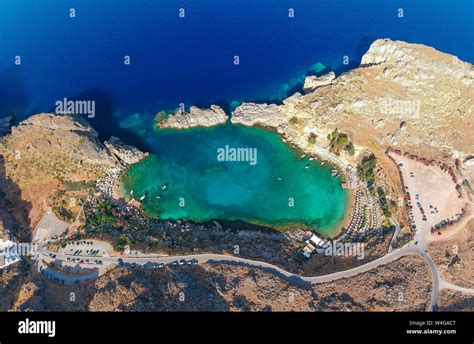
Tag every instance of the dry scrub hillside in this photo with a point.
(219, 287)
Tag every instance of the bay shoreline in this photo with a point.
(329, 234)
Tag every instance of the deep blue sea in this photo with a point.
(190, 60)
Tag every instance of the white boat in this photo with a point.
(311, 159)
(303, 155)
(142, 198)
(164, 187)
(131, 192)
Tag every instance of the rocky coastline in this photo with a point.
(352, 102)
(403, 95)
(126, 155)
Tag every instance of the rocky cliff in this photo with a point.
(125, 153)
(312, 82)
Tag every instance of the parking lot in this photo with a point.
(86, 248)
(430, 193)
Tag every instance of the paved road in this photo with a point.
(448, 285)
(395, 234)
(409, 249)
(91, 275)
(435, 278)
(226, 259)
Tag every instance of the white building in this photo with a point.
(307, 250)
(317, 241)
(314, 244)
(8, 255)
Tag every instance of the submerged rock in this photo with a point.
(5, 124)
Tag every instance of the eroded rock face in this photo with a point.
(125, 153)
(312, 82)
(196, 117)
(250, 114)
(52, 140)
(56, 122)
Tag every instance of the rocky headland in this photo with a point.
(127, 154)
(404, 95)
(54, 160)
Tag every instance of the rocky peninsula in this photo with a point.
(404, 95)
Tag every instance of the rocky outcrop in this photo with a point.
(196, 117)
(68, 138)
(312, 82)
(429, 63)
(250, 114)
(125, 153)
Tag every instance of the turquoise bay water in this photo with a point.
(183, 178)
